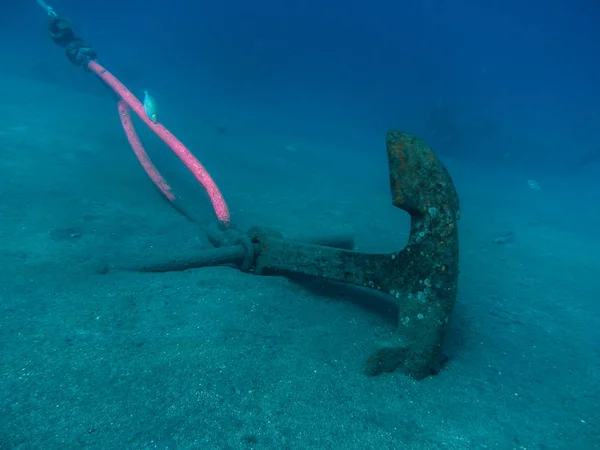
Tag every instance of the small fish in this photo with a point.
(508, 237)
(150, 107)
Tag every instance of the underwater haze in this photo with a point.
(113, 337)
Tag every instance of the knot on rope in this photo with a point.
(62, 34)
(225, 236)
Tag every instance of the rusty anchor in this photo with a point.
(421, 278)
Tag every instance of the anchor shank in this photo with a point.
(282, 256)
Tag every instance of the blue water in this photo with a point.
(287, 104)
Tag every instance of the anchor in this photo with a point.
(421, 278)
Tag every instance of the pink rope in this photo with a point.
(193, 165)
(141, 154)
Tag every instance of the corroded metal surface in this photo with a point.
(421, 278)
